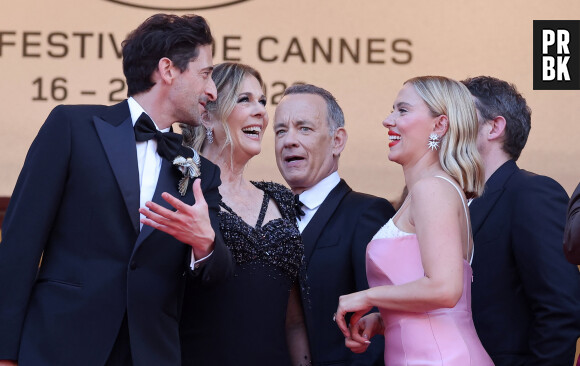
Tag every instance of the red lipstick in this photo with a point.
(394, 138)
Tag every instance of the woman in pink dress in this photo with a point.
(418, 263)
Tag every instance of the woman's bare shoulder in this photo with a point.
(435, 191)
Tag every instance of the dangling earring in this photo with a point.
(434, 140)
(209, 135)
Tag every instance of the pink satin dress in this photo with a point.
(443, 337)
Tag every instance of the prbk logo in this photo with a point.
(177, 5)
(556, 54)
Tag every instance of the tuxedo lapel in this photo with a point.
(481, 207)
(168, 180)
(118, 140)
(318, 222)
(162, 185)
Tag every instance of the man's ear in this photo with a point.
(165, 71)
(497, 129)
(441, 125)
(339, 140)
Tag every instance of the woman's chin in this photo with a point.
(250, 152)
(394, 158)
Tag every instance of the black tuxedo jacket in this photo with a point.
(525, 295)
(572, 231)
(335, 242)
(76, 205)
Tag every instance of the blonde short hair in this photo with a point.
(458, 154)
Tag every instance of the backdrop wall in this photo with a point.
(65, 51)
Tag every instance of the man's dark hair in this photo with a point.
(334, 112)
(162, 35)
(495, 97)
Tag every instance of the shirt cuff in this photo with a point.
(196, 263)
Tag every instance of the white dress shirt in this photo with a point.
(149, 163)
(148, 159)
(313, 198)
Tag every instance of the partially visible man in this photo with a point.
(525, 297)
(572, 231)
(337, 223)
(108, 291)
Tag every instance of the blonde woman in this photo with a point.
(418, 264)
(255, 317)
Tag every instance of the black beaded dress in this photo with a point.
(242, 320)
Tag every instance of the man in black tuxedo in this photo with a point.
(525, 296)
(572, 231)
(108, 290)
(337, 224)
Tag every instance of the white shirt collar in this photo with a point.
(313, 197)
(135, 109)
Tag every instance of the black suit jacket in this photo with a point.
(335, 242)
(76, 204)
(525, 296)
(572, 231)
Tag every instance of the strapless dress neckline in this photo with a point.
(443, 336)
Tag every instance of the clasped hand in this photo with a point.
(189, 224)
(362, 328)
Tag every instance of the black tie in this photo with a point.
(168, 143)
(298, 206)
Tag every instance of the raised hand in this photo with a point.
(188, 224)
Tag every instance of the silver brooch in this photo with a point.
(190, 168)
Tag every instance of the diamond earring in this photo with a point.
(209, 135)
(434, 140)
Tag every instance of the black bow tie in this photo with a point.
(298, 206)
(168, 143)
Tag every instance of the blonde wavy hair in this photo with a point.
(228, 77)
(458, 154)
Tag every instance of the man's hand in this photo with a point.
(189, 224)
(8, 363)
